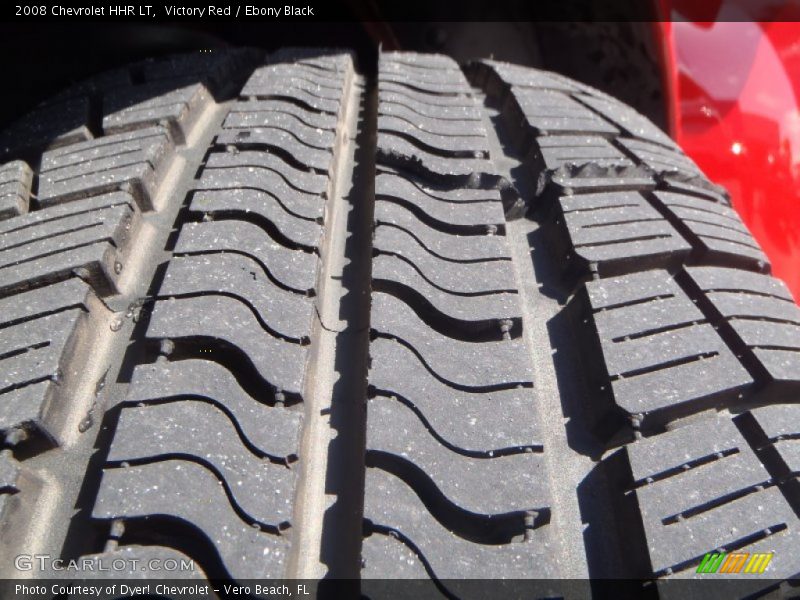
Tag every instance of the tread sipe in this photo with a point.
(276, 317)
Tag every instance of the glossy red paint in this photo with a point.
(733, 88)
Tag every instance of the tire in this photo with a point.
(279, 319)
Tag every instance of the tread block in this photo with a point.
(498, 364)
(301, 204)
(455, 277)
(717, 230)
(131, 161)
(308, 99)
(290, 269)
(214, 319)
(280, 141)
(283, 77)
(560, 150)
(247, 114)
(702, 210)
(31, 349)
(435, 62)
(444, 245)
(396, 151)
(548, 111)
(504, 82)
(789, 451)
(289, 179)
(392, 112)
(282, 312)
(249, 203)
(298, 85)
(274, 431)
(631, 122)
(475, 422)
(392, 101)
(54, 243)
(407, 524)
(763, 316)
(325, 78)
(15, 189)
(327, 62)
(662, 359)
(782, 365)
(778, 421)
(481, 485)
(426, 94)
(495, 73)
(447, 83)
(616, 233)
(480, 209)
(150, 105)
(31, 364)
(331, 60)
(315, 137)
(588, 163)
(181, 490)
(716, 279)
(395, 276)
(203, 434)
(27, 305)
(467, 144)
(696, 186)
(42, 329)
(701, 488)
(657, 157)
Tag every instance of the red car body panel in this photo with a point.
(733, 88)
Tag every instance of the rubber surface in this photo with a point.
(574, 352)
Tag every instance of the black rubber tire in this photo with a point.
(284, 319)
